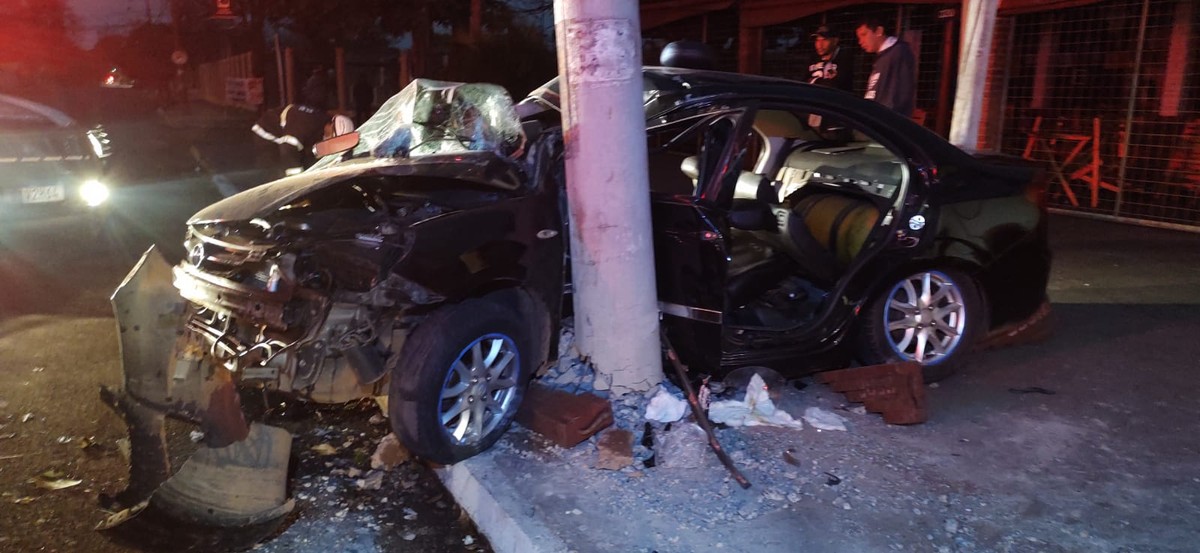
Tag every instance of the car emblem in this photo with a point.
(917, 222)
(196, 255)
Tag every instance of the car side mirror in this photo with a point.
(747, 214)
(336, 145)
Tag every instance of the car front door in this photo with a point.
(691, 229)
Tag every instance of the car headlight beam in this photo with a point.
(93, 192)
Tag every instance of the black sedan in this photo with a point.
(423, 258)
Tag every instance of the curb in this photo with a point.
(498, 511)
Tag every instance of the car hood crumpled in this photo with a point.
(265, 199)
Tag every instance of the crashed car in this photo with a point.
(423, 259)
(51, 165)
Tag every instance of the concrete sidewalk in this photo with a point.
(1106, 462)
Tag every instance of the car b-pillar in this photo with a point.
(604, 129)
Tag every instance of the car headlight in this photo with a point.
(93, 192)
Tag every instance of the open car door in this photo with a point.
(691, 227)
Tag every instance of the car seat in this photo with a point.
(824, 231)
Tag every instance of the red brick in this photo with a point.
(566, 419)
(896, 391)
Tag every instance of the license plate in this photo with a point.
(42, 194)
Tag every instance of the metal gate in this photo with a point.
(1108, 96)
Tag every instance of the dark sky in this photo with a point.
(99, 17)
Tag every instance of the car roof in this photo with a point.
(665, 88)
(57, 117)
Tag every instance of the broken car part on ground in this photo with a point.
(425, 263)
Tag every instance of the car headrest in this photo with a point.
(690, 167)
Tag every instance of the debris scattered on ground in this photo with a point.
(65, 439)
(685, 446)
(469, 540)
(324, 449)
(8, 436)
(1032, 390)
(26, 500)
(791, 457)
(389, 453)
(7, 457)
(614, 449)
(39, 369)
(833, 479)
(196, 436)
(755, 409)
(3, 404)
(118, 518)
(125, 448)
(824, 420)
(377, 419)
(740, 378)
(665, 407)
(372, 481)
(27, 417)
(55, 479)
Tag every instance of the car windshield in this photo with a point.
(435, 117)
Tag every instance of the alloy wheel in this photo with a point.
(925, 318)
(479, 389)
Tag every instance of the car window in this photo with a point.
(689, 147)
(808, 148)
(17, 118)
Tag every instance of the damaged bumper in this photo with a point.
(238, 477)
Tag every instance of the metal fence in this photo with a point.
(1108, 95)
(212, 78)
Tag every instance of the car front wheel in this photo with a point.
(933, 317)
(460, 380)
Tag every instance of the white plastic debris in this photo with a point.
(824, 420)
(756, 409)
(665, 407)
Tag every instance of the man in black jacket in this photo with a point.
(893, 76)
(831, 67)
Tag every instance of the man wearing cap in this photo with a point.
(831, 67)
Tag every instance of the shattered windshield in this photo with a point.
(436, 117)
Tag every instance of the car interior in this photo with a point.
(812, 194)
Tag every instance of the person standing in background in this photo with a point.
(831, 67)
(893, 75)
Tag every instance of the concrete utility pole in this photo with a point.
(978, 21)
(612, 256)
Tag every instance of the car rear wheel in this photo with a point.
(933, 317)
(460, 380)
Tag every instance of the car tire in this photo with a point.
(939, 331)
(460, 380)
